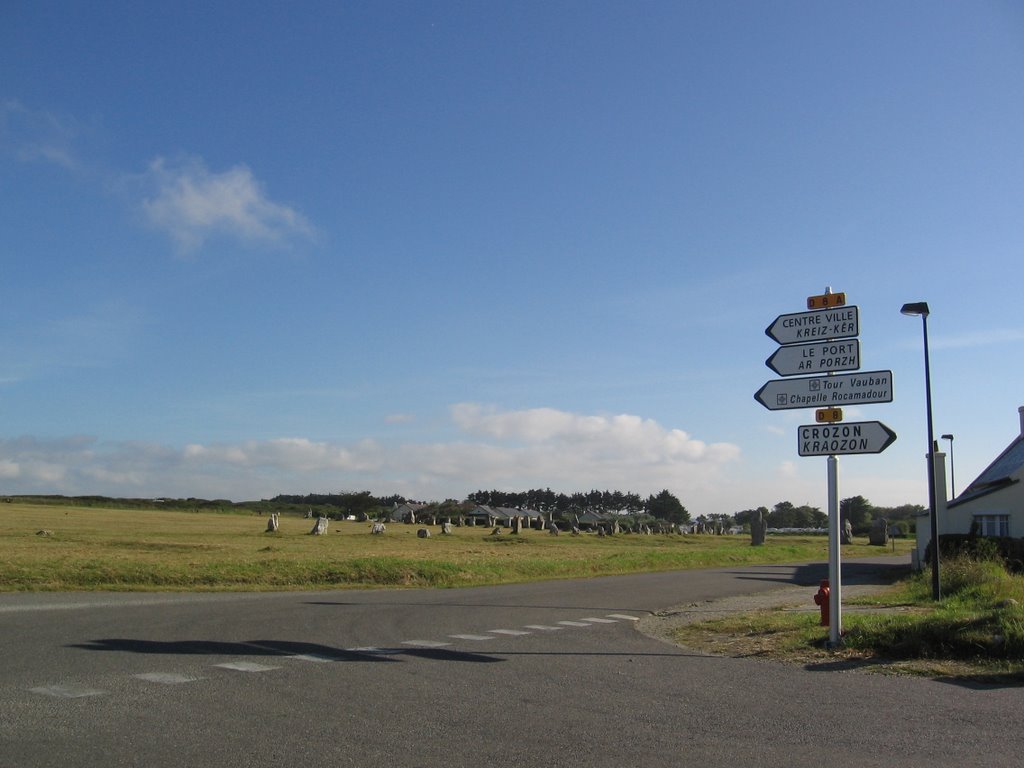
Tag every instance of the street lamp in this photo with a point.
(915, 309)
(952, 469)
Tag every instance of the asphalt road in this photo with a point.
(551, 674)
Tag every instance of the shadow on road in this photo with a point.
(274, 648)
(339, 603)
(277, 648)
(809, 575)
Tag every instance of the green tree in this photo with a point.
(858, 511)
(666, 506)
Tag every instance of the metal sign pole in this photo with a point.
(835, 611)
(835, 605)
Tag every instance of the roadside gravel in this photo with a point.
(662, 625)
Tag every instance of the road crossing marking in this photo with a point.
(312, 657)
(425, 643)
(245, 666)
(166, 678)
(170, 678)
(67, 691)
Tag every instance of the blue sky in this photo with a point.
(431, 247)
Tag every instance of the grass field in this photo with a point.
(976, 631)
(90, 548)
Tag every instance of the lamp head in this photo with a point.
(948, 437)
(915, 308)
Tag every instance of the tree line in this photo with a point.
(664, 505)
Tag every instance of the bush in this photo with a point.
(1006, 550)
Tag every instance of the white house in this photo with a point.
(994, 502)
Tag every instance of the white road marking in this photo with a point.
(623, 616)
(513, 632)
(575, 624)
(472, 637)
(245, 666)
(544, 627)
(425, 643)
(312, 657)
(67, 691)
(166, 678)
(600, 621)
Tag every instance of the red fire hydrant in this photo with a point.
(821, 599)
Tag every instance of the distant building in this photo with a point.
(404, 513)
(994, 503)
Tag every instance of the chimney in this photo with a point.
(1020, 411)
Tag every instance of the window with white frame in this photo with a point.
(993, 525)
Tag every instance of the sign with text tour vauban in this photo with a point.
(826, 391)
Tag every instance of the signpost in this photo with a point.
(826, 391)
(823, 340)
(823, 357)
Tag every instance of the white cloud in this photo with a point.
(33, 135)
(192, 203)
(507, 449)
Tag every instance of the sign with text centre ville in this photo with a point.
(817, 325)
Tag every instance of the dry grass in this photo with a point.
(89, 548)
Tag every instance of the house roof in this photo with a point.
(482, 510)
(1002, 472)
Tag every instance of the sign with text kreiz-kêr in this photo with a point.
(816, 325)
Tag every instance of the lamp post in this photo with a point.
(914, 309)
(952, 469)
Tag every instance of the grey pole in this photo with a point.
(921, 308)
(952, 468)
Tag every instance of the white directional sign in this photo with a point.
(826, 391)
(844, 439)
(799, 327)
(823, 357)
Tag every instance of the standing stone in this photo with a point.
(758, 530)
(378, 528)
(320, 528)
(273, 523)
(515, 524)
(878, 536)
(423, 533)
(846, 535)
(446, 527)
